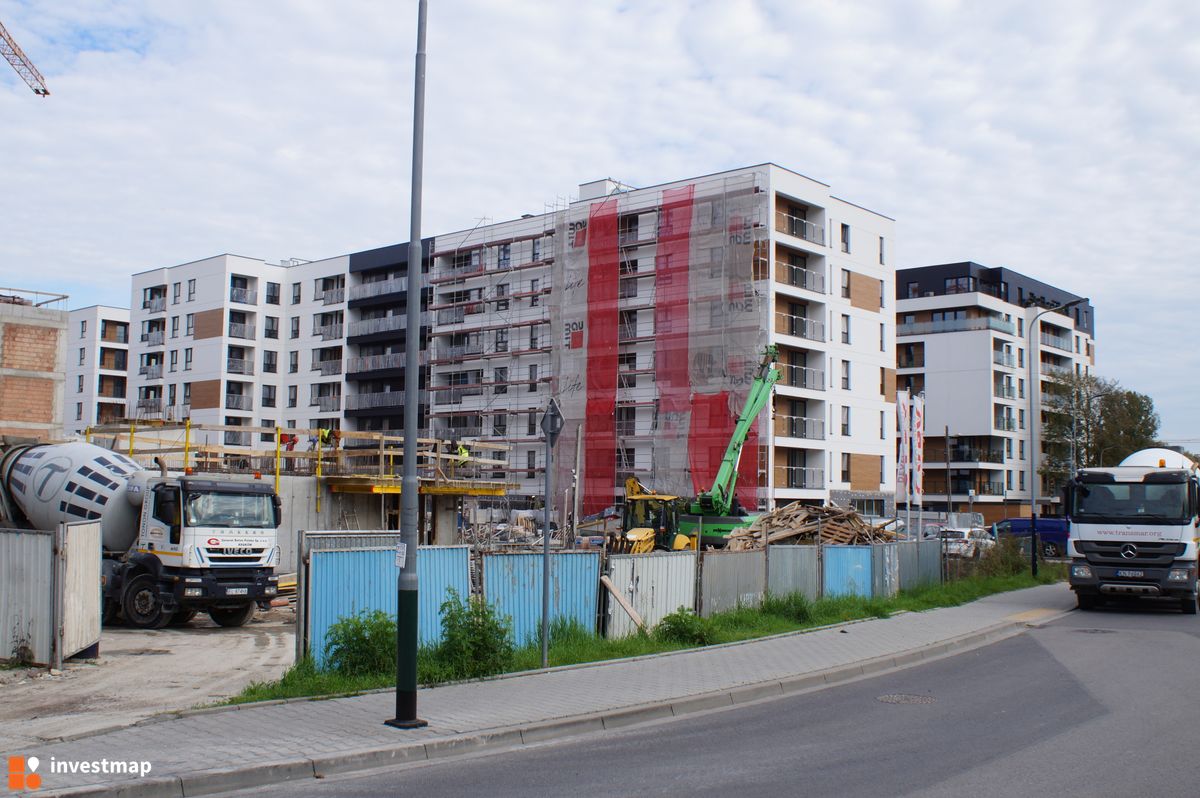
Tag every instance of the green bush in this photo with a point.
(1004, 559)
(686, 627)
(792, 607)
(476, 642)
(362, 644)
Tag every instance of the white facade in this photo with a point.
(95, 388)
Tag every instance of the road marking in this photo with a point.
(1033, 615)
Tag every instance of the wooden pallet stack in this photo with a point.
(799, 524)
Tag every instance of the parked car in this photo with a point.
(966, 542)
(1052, 533)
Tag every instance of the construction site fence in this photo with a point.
(654, 584)
(512, 584)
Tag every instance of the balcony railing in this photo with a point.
(235, 365)
(328, 367)
(632, 332)
(395, 360)
(803, 377)
(1056, 342)
(379, 288)
(451, 315)
(237, 438)
(960, 454)
(459, 351)
(155, 304)
(153, 338)
(1006, 424)
(1057, 371)
(800, 427)
(150, 405)
(453, 396)
(365, 401)
(444, 431)
(329, 332)
(235, 401)
(910, 362)
(328, 404)
(803, 477)
(372, 326)
(963, 488)
(1003, 359)
(801, 277)
(802, 228)
(237, 330)
(1004, 392)
(152, 371)
(332, 296)
(245, 296)
(956, 325)
(111, 394)
(801, 327)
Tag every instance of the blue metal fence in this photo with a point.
(847, 570)
(512, 584)
(344, 582)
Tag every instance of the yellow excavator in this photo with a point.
(650, 521)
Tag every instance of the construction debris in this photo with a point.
(799, 523)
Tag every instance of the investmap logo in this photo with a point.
(23, 770)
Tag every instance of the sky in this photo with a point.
(1059, 139)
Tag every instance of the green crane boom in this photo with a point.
(718, 500)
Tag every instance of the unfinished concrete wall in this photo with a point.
(298, 496)
(32, 369)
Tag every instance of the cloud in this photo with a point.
(1057, 139)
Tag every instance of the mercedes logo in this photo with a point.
(1129, 551)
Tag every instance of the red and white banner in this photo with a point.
(918, 445)
(902, 416)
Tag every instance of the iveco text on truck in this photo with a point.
(172, 545)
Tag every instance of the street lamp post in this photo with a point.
(1036, 380)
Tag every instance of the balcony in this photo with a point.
(800, 427)
(156, 304)
(245, 331)
(328, 404)
(379, 325)
(802, 377)
(237, 438)
(367, 401)
(800, 327)
(960, 487)
(802, 228)
(329, 332)
(150, 405)
(328, 368)
(957, 325)
(459, 351)
(910, 362)
(443, 431)
(379, 288)
(968, 454)
(244, 296)
(1004, 392)
(800, 277)
(1052, 370)
(451, 315)
(1006, 424)
(111, 394)
(1055, 341)
(237, 401)
(235, 365)
(395, 360)
(453, 396)
(153, 371)
(1002, 359)
(154, 337)
(803, 478)
(633, 332)
(332, 296)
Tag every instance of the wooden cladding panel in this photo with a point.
(209, 324)
(206, 394)
(864, 471)
(864, 292)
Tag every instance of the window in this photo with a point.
(883, 381)
(504, 256)
(629, 288)
(882, 425)
(881, 259)
(191, 289)
(500, 377)
(1008, 449)
(187, 393)
(882, 294)
(174, 359)
(501, 340)
(270, 361)
(533, 338)
(295, 331)
(500, 424)
(79, 385)
(189, 324)
(845, 375)
(882, 337)
(531, 426)
(1021, 419)
(1020, 328)
(845, 283)
(291, 396)
(845, 421)
(271, 327)
(533, 287)
(846, 238)
(293, 362)
(176, 289)
(533, 375)
(914, 290)
(174, 326)
(537, 249)
(295, 293)
(79, 411)
(272, 293)
(187, 359)
(845, 329)
(1008, 480)
(1022, 480)
(267, 436)
(531, 463)
(268, 396)
(502, 291)
(845, 467)
(83, 330)
(171, 395)
(82, 355)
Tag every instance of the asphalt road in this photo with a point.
(1100, 703)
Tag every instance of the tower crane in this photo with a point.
(20, 62)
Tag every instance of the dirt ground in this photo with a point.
(142, 673)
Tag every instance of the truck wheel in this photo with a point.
(1188, 605)
(235, 616)
(141, 604)
(181, 617)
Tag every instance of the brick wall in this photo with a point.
(27, 399)
(29, 347)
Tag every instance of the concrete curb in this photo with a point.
(261, 774)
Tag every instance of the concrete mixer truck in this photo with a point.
(172, 545)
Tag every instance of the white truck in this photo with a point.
(1133, 529)
(172, 545)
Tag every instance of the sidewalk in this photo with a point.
(227, 749)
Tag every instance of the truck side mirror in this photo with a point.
(277, 506)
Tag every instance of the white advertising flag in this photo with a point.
(918, 445)
(902, 417)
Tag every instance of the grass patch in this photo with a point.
(475, 638)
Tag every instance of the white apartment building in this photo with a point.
(965, 338)
(97, 368)
(645, 311)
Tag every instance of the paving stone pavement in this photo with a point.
(253, 735)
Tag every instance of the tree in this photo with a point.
(1128, 422)
(1072, 418)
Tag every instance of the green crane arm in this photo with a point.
(719, 499)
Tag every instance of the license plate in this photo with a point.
(241, 591)
(1131, 574)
